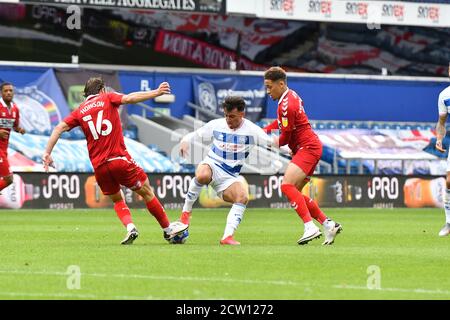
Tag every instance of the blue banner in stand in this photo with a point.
(41, 103)
(210, 92)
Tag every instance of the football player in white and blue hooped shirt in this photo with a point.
(233, 138)
(444, 110)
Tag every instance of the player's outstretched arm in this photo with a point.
(440, 131)
(56, 134)
(140, 96)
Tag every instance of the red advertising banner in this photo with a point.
(199, 52)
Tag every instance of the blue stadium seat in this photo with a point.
(387, 126)
(66, 135)
(36, 159)
(133, 128)
(76, 134)
(321, 126)
(406, 127)
(342, 126)
(154, 147)
(428, 127)
(130, 134)
(417, 127)
(363, 125)
(331, 125)
(375, 126)
(352, 125)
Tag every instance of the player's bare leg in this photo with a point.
(5, 182)
(124, 214)
(445, 231)
(238, 196)
(330, 227)
(292, 180)
(203, 176)
(170, 230)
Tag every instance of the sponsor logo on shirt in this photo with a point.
(284, 121)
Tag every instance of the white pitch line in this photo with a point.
(155, 277)
(226, 280)
(444, 292)
(55, 295)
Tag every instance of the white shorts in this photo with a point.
(221, 179)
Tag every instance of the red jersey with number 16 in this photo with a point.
(292, 118)
(99, 119)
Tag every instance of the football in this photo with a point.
(180, 238)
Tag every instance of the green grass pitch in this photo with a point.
(38, 247)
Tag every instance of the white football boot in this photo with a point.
(130, 237)
(331, 230)
(445, 231)
(309, 234)
(174, 229)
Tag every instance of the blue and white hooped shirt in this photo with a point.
(230, 147)
(444, 101)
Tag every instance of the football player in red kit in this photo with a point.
(296, 132)
(99, 119)
(9, 119)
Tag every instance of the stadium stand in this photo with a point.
(118, 37)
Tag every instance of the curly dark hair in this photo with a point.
(233, 102)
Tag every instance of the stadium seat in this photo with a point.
(66, 135)
(320, 126)
(387, 126)
(331, 125)
(130, 134)
(76, 134)
(154, 147)
(363, 125)
(134, 129)
(342, 126)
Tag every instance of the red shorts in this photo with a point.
(307, 159)
(4, 166)
(121, 171)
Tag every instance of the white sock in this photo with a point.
(310, 225)
(130, 227)
(447, 206)
(234, 219)
(192, 195)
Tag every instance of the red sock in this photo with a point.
(3, 184)
(123, 212)
(297, 201)
(314, 210)
(157, 210)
